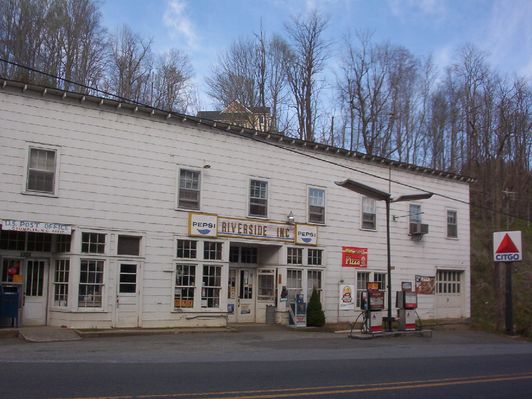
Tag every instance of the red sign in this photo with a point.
(354, 257)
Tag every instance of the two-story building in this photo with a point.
(116, 215)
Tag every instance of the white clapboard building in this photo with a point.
(118, 215)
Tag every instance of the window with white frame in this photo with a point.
(380, 278)
(415, 213)
(313, 282)
(316, 205)
(128, 245)
(266, 286)
(62, 270)
(186, 249)
(42, 169)
(314, 257)
(369, 213)
(449, 281)
(452, 224)
(212, 250)
(211, 287)
(185, 285)
(93, 243)
(294, 256)
(294, 283)
(90, 283)
(189, 189)
(258, 198)
(39, 242)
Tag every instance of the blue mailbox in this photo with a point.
(10, 295)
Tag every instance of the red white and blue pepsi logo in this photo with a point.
(204, 227)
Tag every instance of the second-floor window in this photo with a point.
(258, 198)
(452, 224)
(189, 189)
(415, 214)
(41, 171)
(369, 213)
(316, 205)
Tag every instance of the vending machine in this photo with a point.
(406, 301)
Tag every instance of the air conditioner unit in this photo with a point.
(418, 229)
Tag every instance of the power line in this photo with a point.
(253, 138)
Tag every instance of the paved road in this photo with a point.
(269, 363)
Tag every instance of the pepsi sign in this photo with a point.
(202, 225)
(306, 234)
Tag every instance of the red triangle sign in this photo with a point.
(506, 246)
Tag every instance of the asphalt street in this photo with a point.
(265, 362)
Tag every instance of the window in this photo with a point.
(313, 282)
(234, 254)
(294, 284)
(415, 213)
(62, 270)
(369, 213)
(186, 249)
(212, 250)
(90, 283)
(93, 243)
(128, 245)
(189, 189)
(258, 198)
(212, 285)
(185, 283)
(62, 243)
(41, 170)
(452, 224)
(448, 282)
(128, 278)
(362, 284)
(266, 286)
(381, 279)
(248, 255)
(12, 240)
(294, 256)
(316, 205)
(39, 242)
(314, 257)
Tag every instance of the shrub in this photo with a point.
(315, 315)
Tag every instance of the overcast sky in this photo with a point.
(202, 28)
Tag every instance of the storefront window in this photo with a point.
(313, 282)
(314, 257)
(294, 284)
(294, 256)
(212, 250)
(185, 283)
(186, 249)
(212, 285)
(90, 283)
(62, 270)
(266, 286)
(93, 243)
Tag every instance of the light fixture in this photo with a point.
(291, 219)
(206, 166)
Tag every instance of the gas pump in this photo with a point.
(372, 301)
(406, 301)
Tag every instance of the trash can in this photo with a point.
(270, 314)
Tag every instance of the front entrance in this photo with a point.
(33, 275)
(241, 295)
(127, 295)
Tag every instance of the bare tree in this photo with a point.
(130, 66)
(308, 55)
(172, 87)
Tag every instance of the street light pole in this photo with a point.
(389, 267)
(386, 197)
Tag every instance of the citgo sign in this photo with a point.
(507, 246)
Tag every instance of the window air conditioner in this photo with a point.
(418, 229)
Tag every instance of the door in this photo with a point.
(35, 277)
(127, 296)
(245, 306)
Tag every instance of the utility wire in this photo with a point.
(285, 148)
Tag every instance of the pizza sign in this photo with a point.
(507, 246)
(354, 257)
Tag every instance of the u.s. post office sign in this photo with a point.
(306, 234)
(202, 225)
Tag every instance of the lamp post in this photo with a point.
(387, 198)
